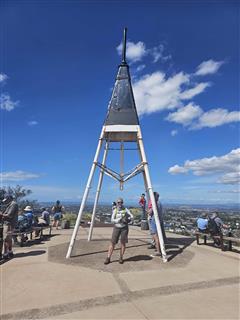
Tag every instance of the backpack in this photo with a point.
(23, 223)
(213, 227)
(57, 209)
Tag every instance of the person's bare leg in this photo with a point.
(110, 252)
(122, 250)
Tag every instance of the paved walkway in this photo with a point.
(199, 282)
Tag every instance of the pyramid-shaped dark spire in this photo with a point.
(122, 108)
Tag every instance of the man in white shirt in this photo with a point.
(121, 217)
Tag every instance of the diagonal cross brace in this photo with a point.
(121, 178)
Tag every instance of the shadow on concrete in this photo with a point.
(23, 255)
(105, 251)
(29, 254)
(34, 241)
(140, 257)
(180, 243)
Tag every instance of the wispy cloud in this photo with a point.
(3, 78)
(158, 54)
(208, 67)
(216, 117)
(226, 166)
(174, 133)
(140, 67)
(226, 191)
(190, 93)
(18, 175)
(185, 115)
(32, 123)
(6, 103)
(195, 118)
(134, 51)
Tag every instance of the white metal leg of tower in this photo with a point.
(98, 192)
(151, 195)
(85, 195)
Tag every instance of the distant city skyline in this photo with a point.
(58, 66)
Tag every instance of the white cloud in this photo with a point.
(140, 67)
(174, 133)
(52, 193)
(208, 67)
(32, 123)
(154, 92)
(193, 116)
(216, 117)
(137, 51)
(227, 166)
(226, 191)
(185, 115)
(134, 51)
(190, 93)
(3, 77)
(177, 169)
(18, 175)
(158, 54)
(6, 102)
(230, 178)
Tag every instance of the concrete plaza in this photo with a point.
(198, 282)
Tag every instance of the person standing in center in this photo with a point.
(121, 217)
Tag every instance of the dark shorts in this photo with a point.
(117, 232)
(203, 230)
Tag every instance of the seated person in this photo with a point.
(44, 220)
(28, 212)
(215, 227)
(202, 223)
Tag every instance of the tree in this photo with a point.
(18, 194)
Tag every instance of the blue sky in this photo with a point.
(58, 65)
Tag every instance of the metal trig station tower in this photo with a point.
(121, 126)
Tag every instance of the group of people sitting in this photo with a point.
(212, 225)
(13, 221)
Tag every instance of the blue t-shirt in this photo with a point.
(29, 215)
(202, 223)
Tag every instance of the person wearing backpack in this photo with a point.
(57, 210)
(215, 225)
(121, 217)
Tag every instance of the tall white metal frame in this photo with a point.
(143, 168)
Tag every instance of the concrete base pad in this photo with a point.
(137, 256)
